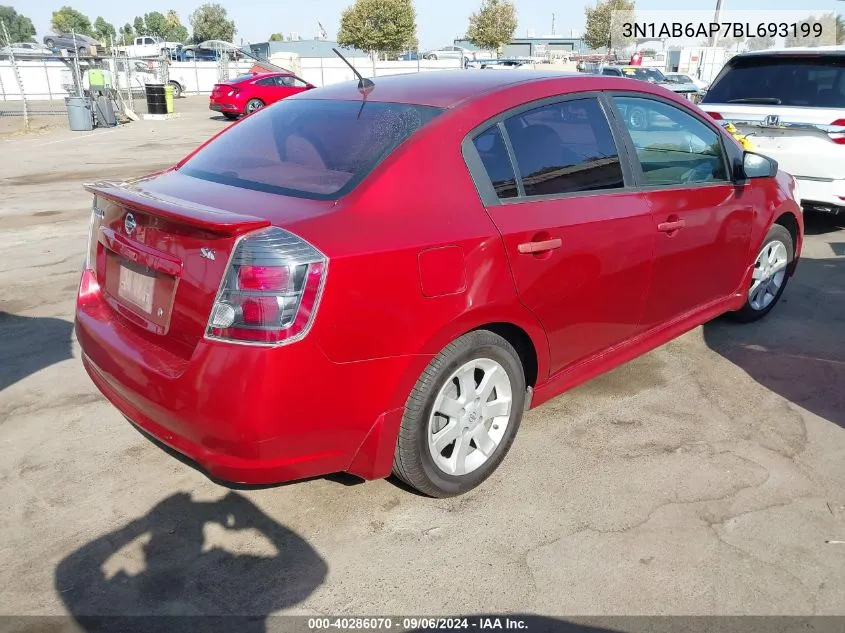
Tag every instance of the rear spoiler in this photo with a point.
(191, 213)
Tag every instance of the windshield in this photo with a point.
(815, 81)
(645, 74)
(308, 148)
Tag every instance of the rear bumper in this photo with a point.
(822, 195)
(224, 107)
(246, 414)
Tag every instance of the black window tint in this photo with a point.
(780, 80)
(491, 148)
(565, 148)
(308, 148)
(673, 146)
(267, 81)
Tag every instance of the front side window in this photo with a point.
(308, 148)
(565, 147)
(494, 155)
(673, 147)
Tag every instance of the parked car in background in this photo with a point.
(190, 53)
(651, 75)
(501, 64)
(296, 298)
(408, 56)
(148, 46)
(681, 78)
(248, 93)
(24, 50)
(791, 104)
(81, 44)
(451, 52)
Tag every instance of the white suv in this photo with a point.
(791, 104)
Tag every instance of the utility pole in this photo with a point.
(553, 23)
(716, 20)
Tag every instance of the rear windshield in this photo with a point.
(308, 148)
(236, 80)
(816, 81)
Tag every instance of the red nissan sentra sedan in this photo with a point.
(386, 281)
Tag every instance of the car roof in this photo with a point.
(802, 51)
(442, 89)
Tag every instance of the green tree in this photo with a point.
(493, 24)
(811, 39)
(104, 32)
(760, 43)
(155, 23)
(211, 22)
(840, 29)
(175, 31)
(604, 29)
(68, 19)
(276, 37)
(140, 27)
(126, 33)
(20, 27)
(378, 25)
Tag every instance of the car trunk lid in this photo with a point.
(804, 141)
(163, 245)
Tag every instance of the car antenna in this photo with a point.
(365, 86)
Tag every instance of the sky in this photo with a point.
(438, 21)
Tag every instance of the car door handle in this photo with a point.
(539, 247)
(673, 225)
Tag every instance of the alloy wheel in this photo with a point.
(769, 274)
(470, 416)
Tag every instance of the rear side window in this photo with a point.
(565, 147)
(494, 155)
(817, 82)
(308, 148)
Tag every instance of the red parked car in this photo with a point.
(386, 281)
(248, 93)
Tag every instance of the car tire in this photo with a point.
(230, 115)
(177, 89)
(82, 51)
(432, 58)
(432, 466)
(773, 261)
(49, 43)
(253, 105)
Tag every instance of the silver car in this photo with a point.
(26, 49)
(450, 52)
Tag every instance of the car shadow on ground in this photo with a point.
(797, 350)
(178, 560)
(30, 344)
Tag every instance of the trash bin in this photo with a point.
(168, 98)
(79, 116)
(156, 99)
(104, 114)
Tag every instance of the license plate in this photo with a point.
(136, 288)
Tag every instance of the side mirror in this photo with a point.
(758, 166)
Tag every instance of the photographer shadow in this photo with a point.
(173, 570)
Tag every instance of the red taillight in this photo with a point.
(839, 136)
(714, 115)
(270, 290)
(264, 278)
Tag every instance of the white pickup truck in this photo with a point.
(148, 46)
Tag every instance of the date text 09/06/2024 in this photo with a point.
(416, 623)
(739, 30)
